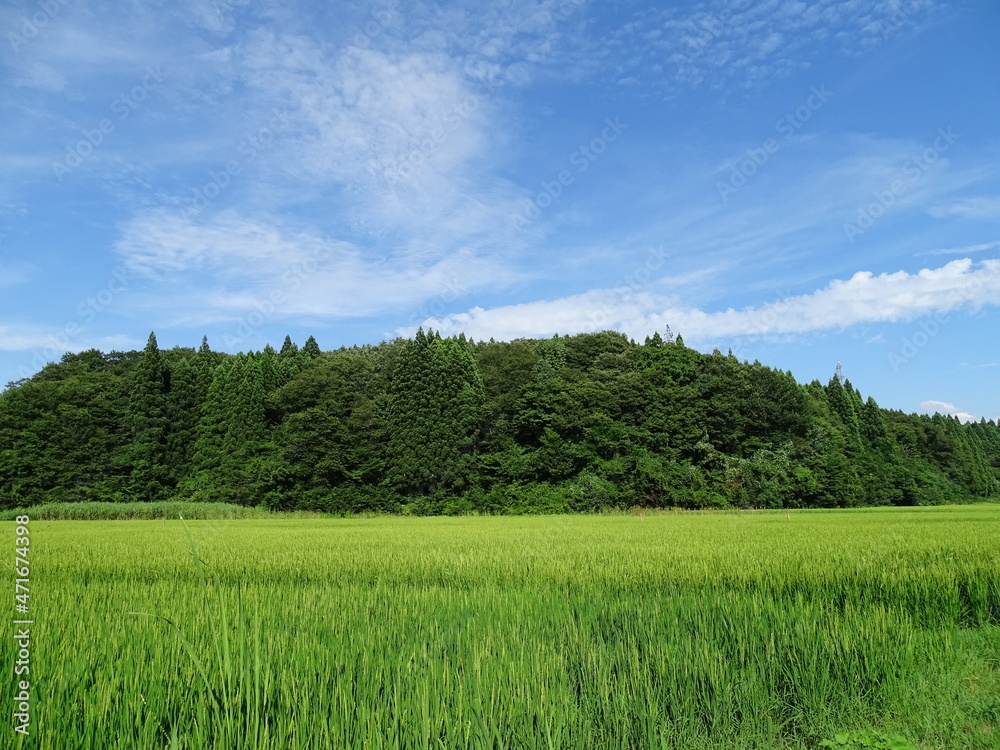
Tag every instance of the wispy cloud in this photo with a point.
(968, 250)
(982, 366)
(977, 207)
(864, 298)
(223, 267)
(48, 343)
(14, 274)
(396, 147)
(15, 338)
(725, 42)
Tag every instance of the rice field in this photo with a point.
(756, 630)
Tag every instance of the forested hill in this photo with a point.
(446, 425)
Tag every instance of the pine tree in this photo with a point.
(843, 403)
(184, 406)
(434, 413)
(248, 424)
(148, 386)
(875, 432)
(189, 386)
(310, 350)
(230, 432)
(211, 430)
(267, 364)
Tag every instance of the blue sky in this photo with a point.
(801, 182)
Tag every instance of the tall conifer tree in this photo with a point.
(148, 385)
(310, 350)
(435, 407)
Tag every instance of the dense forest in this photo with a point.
(447, 425)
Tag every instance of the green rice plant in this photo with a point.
(234, 675)
(675, 631)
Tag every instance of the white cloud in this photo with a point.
(14, 274)
(15, 338)
(158, 243)
(48, 343)
(220, 268)
(216, 16)
(725, 43)
(979, 248)
(397, 147)
(942, 407)
(938, 406)
(392, 133)
(363, 114)
(983, 366)
(864, 298)
(405, 141)
(978, 207)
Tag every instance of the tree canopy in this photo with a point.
(448, 425)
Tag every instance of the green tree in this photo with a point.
(434, 409)
(289, 348)
(310, 350)
(148, 422)
(231, 433)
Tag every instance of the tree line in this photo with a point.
(434, 425)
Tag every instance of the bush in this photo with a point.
(346, 499)
(589, 492)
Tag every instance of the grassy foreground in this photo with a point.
(671, 631)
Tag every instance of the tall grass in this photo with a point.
(98, 511)
(731, 631)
